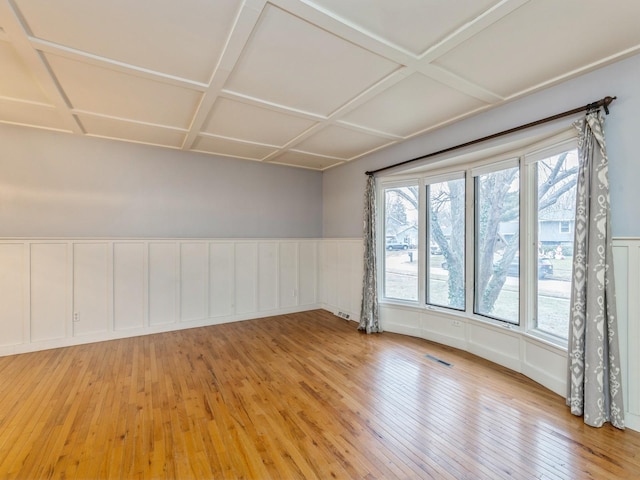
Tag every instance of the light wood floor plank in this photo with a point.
(293, 396)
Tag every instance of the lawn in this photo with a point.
(554, 293)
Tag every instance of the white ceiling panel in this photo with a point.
(410, 105)
(109, 92)
(136, 132)
(231, 148)
(183, 39)
(31, 114)
(341, 142)
(305, 160)
(16, 80)
(239, 120)
(546, 39)
(293, 63)
(306, 83)
(404, 22)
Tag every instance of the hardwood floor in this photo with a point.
(292, 396)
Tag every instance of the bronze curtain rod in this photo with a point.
(605, 102)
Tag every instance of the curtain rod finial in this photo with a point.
(606, 101)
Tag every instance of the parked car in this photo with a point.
(397, 246)
(545, 268)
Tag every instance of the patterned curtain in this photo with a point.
(594, 376)
(369, 317)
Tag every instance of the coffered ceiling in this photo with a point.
(307, 83)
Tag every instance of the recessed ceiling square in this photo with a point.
(568, 29)
(341, 142)
(184, 38)
(110, 128)
(223, 146)
(300, 159)
(16, 81)
(293, 63)
(31, 114)
(412, 105)
(113, 93)
(242, 121)
(411, 24)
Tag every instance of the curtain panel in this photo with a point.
(594, 376)
(369, 315)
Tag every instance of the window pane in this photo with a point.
(556, 189)
(401, 239)
(446, 233)
(497, 238)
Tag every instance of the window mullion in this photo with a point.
(470, 242)
(423, 257)
(528, 246)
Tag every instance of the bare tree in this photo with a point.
(498, 203)
(449, 202)
(395, 215)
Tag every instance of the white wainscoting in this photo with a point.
(59, 292)
(626, 254)
(341, 270)
(538, 360)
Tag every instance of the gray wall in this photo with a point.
(343, 187)
(57, 185)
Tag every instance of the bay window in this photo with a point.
(496, 242)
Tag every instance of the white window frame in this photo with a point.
(430, 180)
(531, 245)
(381, 239)
(515, 162)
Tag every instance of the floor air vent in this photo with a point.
(438, 360)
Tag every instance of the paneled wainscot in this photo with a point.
(58, 292)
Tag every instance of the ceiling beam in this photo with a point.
(245, 23)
